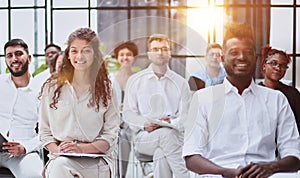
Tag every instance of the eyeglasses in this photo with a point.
(275, 64)
(162, 49)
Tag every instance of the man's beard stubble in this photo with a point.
(21, 72)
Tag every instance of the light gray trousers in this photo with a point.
(165, 145)
(29, 165)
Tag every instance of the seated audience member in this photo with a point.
(274, 65)
(79, 113)
(45, 70)
(19, 114)
(125, 54)
(51, 52)
(59, 62)
(234, 129)
(213, 74)
(153, 96)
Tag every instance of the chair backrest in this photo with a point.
(195, 83)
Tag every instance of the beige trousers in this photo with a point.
(79, 167)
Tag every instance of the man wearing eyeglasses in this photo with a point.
(213, 73)
(19, 114)
(155, 106)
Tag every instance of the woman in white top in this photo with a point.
(79, 113)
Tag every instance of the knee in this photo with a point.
(167, 132)
(31, 174)
(57, 164)
(169, 135)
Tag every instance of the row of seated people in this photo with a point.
(147, 97)
(179, 131)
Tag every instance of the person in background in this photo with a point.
(153, 96)
(274, 65)
(45, 70)
(213, 74)
(59, 62)
(79, 112)
(51, 52)
(234, 129)
(19, 114)
(125, 54)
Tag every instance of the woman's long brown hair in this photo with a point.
(100, 85)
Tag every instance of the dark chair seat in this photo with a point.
(143, 157)
(5, 173)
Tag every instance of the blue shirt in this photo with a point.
(203, 75)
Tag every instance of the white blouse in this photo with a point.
(74, 120)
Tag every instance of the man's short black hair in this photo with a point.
(16, 42)
(237, 30)
(52, 45)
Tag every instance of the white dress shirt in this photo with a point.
(233, 130)
(38, 81)
(19, 113)
(147, 96)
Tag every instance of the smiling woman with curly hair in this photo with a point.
(79, 113)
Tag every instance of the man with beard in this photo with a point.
(19, 114)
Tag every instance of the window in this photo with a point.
(191, 24)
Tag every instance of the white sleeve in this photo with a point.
(196, 132)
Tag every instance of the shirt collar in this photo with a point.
(151, 73)
(28, 87)
(252, 88)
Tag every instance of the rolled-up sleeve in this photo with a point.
(288, 140)
(196, 132)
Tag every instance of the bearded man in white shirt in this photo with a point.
(19, 114)
(155, 106)
(235, 128)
